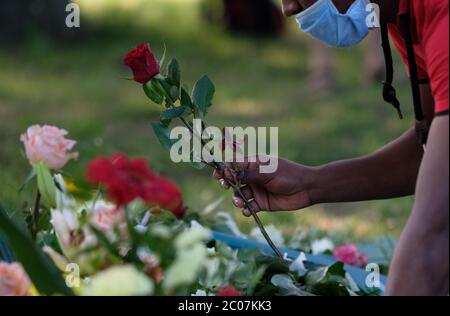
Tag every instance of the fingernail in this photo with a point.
(236, 201)
(222, 182)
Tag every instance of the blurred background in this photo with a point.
(326, 103)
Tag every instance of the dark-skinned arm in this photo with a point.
(389, 172)
(421, 261)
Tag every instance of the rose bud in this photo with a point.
(143, 63)
(47, 144)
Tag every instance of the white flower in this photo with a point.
(196, 225)
(123, 280)
(273, 233)
(202, 293)
(321, 245)
(63, 198)
(65, 223)
(298, 265)
(191, 237)
(191, 254)
(212, 267)
(60, 261)
(185, 269)
(285, 257)
(64, 219)
(227, 220)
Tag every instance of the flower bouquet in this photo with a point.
(128, 232)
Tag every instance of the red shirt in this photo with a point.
(429, 21)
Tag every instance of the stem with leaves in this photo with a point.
(35, 215)
(167, 90)
(219, 166)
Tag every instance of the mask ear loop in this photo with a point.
(389, 93)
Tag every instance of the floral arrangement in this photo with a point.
(129, 232)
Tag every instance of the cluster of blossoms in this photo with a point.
(350, 255)
(127, 180)
(108, 238)
(137, 239)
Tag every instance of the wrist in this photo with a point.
(313, 184)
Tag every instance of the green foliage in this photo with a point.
(328, 280)
(186, 98)
(174, 73)
(162, 132)
(46, 185)
(202, 95)
(43, 273)
(172, 113)
(153, 92)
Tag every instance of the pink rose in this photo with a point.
(107, 216)
(47, 144)
(349, 254)
(13, 280)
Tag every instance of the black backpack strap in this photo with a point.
(389, 93)
(421, 125)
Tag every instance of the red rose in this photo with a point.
(143, 63)
(228, 291)
(167, 197)
(126, 180)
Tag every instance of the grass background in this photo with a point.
(79, 86)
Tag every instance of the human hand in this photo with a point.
(285, 189)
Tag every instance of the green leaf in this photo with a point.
(112, 249)
(287, 286)
(175, 93)
(46, 185)
(163, 134)
(328, 280)
(172, 113)
(274, 265)
(202, 95)
(153, 93)
(186, 98)
(164, 89)
(30, 177)
(316, 276)
(174, 73)
(43, 273)
(337, 269)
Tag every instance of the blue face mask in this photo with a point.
(324, 22)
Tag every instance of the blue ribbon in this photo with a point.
(359, 275)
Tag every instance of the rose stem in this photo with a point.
(218, 167)
(35, 215)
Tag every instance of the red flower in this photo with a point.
(349, 254)
(126, 180)
(143, 63)
(228, 291)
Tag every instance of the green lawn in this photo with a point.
(79, 86)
